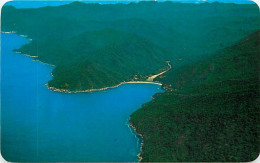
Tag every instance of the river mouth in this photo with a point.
(42, 125)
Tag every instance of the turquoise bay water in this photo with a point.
(42, 125)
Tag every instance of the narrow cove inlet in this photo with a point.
(42, 125)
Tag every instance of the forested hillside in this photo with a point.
(98, 59)
(210, 111)
(184, 32)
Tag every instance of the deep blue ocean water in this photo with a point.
(42, 125)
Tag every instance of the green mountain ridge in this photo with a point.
(210, 111)
(236, 62)
(185, 33)
(173, 26)
(99, 59)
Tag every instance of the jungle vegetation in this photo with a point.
(210, 111)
